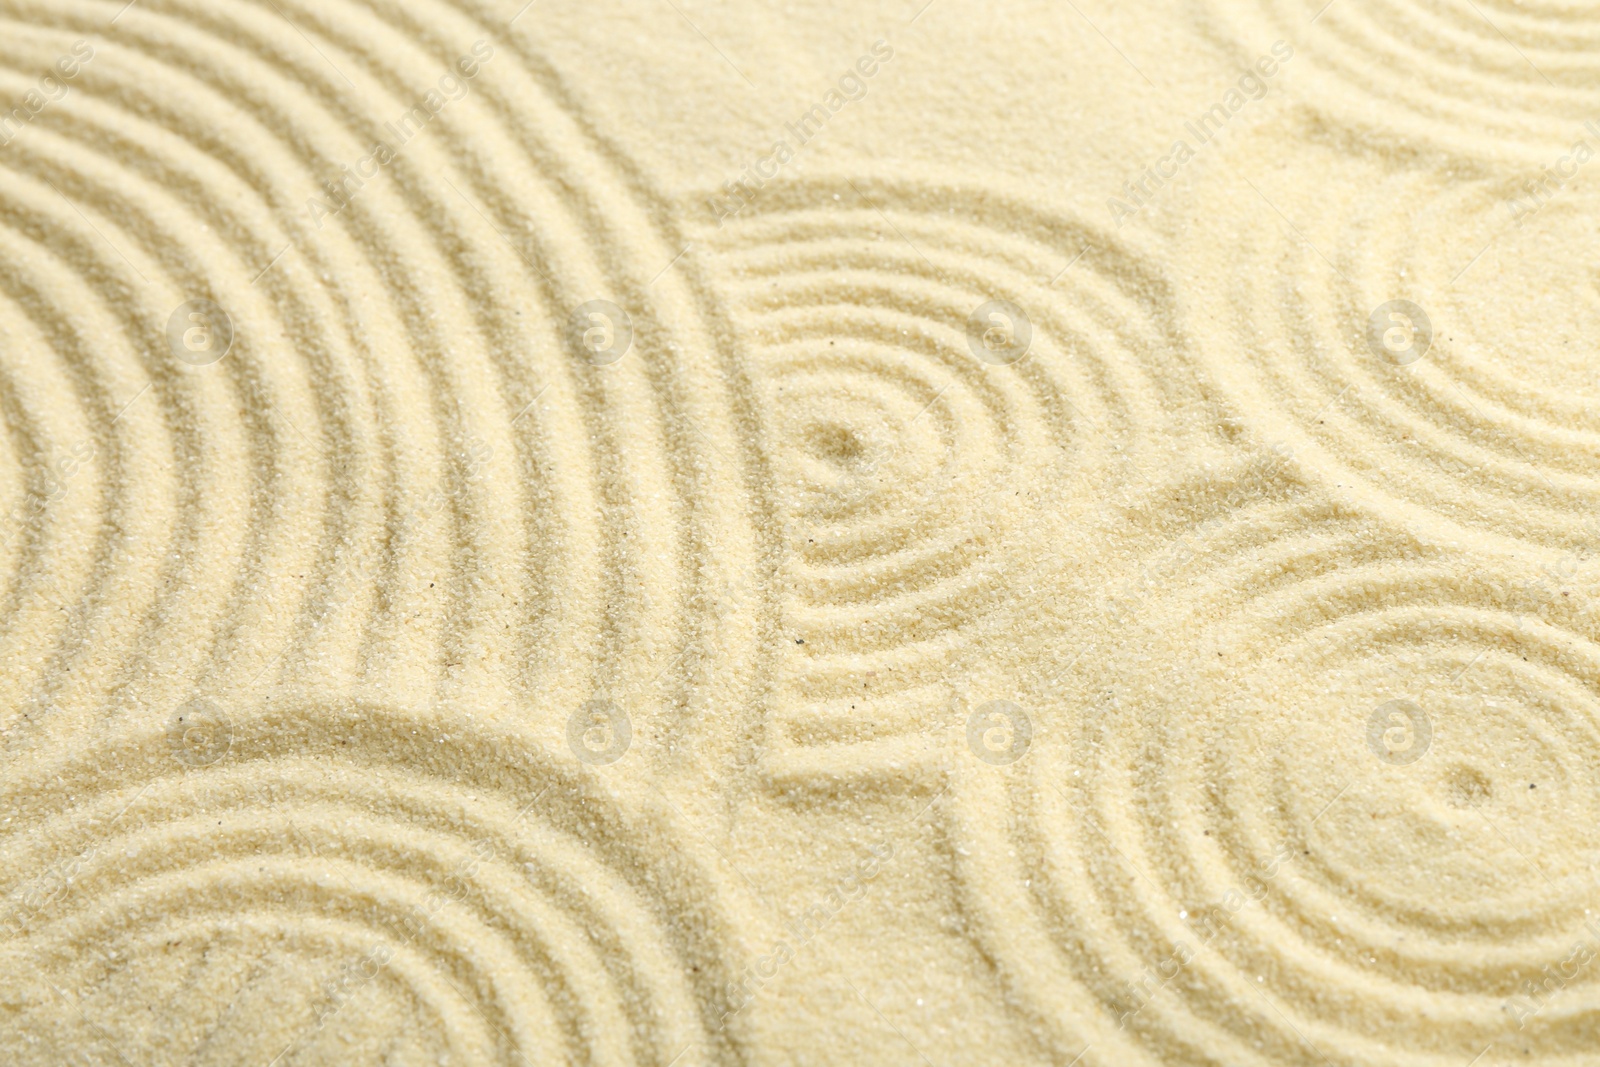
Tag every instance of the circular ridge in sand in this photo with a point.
(322, 891)
(920, 483)
(1238, 845)
(1485, 425)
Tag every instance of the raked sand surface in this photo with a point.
(680, 532)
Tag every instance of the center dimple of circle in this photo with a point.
(836, 444)
(1532, 315)
(1467, 787)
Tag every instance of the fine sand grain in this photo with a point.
(684, 533)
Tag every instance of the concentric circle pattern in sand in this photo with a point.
(462, 601)
(401, 456)
(344, 884)
(1478, 420)
(1505, 80)
(288, 412)
(1345, 811)
(921, 484)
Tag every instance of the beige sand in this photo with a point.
(691, 533)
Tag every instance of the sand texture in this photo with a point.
(679, 533)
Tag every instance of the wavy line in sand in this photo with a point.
(1326, 795)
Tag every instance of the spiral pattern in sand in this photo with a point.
(461, 601)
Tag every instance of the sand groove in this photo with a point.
(919, 484)
(401, 379)
(1490, 428)
(323, 858)
(1171, 886)
(330, 507)
(1505, 80)
(401, 479)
